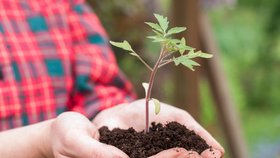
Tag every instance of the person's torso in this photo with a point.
(35, 63)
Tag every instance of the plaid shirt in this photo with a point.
(54, 57)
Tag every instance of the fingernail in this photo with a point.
(211, 153)
(190, 154)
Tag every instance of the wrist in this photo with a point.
(45, 145)
(31, 141)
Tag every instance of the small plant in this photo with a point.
(172, 50)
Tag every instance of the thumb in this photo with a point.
(85, 144)
(108, 151)
(88, 147)
(177, 153)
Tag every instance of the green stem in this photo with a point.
(143, 61)
(169, 61)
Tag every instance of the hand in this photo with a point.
(133, 115)
(73, 136)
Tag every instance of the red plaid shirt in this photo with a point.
(54, 57)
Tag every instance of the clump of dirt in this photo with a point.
(141, 145)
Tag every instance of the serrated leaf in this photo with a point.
(154, 26)
(189, 48)
(157, 33)
(175, 30)
(146, 86)
(123, 45)
(192, 54)
(183, 41)
(157, 38)
(163, 22)
(157, 105)
(184, 60)
(182, 47)
(200, 54)
(182, 50)
(152, 37)
(204, 55)
(174, 41)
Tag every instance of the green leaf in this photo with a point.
(182, 47)
(123, 45)
(183, 41)
(204, 55)
(157, 33)
(152, 37)
(163, 22)
(174, 41)
(200, 54)
(157, 105)
(172, 44)
(154, 26)
(182, 50)
(184, 60)
(175, 30)
(157, 38)
(146, 86)
(192, 54)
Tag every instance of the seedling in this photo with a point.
(172, 50)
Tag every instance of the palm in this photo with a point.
(133, 115)
(74, 136)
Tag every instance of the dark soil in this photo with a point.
(159, 138)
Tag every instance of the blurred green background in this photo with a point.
(248, 35)
(249, 38)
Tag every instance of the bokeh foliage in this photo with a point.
(124, 19)
(249, 38)
(267, 87)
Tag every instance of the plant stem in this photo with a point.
(165, 63)
(169, 61)
(151, 81)
(143, 61)
(167, 55)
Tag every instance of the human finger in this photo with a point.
(177, 153)
(211, 153)
(187, 120)
(83, 146)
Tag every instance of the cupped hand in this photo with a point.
(74, 136)
(133, 115)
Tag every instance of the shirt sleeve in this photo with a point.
(99, 84)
